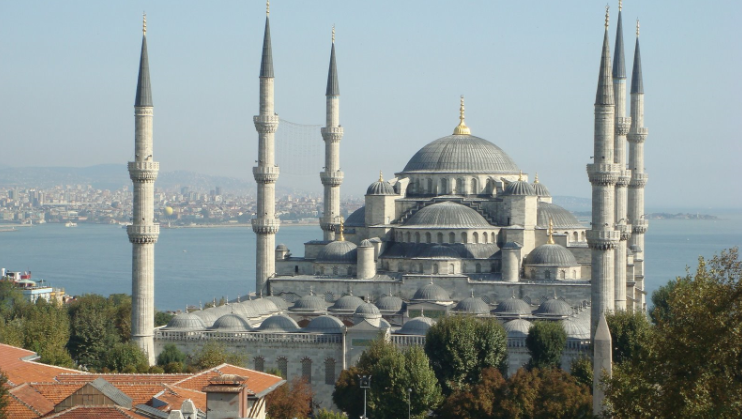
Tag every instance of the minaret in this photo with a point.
(637, 135)
(603, 174)
(332, 133)
(621, 129)
(265, 224)
(143, 232)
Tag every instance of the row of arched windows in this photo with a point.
(335, 271)
(450, 237)
(306, 368)
(458, 186)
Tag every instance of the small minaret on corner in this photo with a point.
(143, 232)
(637, 136)
(332, 133)
(603, 173)
(265, 224)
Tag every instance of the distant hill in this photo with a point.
(573, 203)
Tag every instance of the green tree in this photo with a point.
(328, 414)
(291, 400)
(214, 353)
(126, 357)
(660, 305)
(348, 395)
(46, 330)
(692, 366)
(162, 318)
(92, 330)
(426, 392)
(582, 370)
(170, 353)
(545, 342)
(549, 393)
(460, 347)
(477, 401)
(629, 334)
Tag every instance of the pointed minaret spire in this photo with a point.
(619, 63)
(144, 90)
(604, 95)
(266, 65)
(333, 88)
(637, 85)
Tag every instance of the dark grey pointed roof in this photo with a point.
(266, 64)
(144, 90)
(461, 154)
(637, 85)
(333, 88)
(604, 95)
(619, 64)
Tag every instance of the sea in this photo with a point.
(196, 265)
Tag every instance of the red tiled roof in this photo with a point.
(32, 399)
(97, 412)
(123, 378)
(257, 382)
(175, 396)
(17, 409)
(139, 393)
(21, 371)
(56, 392)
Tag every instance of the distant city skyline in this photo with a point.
(528, 73)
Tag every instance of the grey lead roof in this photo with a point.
(447, 215)
(357, 218)
(619, 64)
(461, 154)
(144, 90)
(637, 85)
(266, 64)
(560, 216)
(604, 95)
(110, 391)
(333, 88)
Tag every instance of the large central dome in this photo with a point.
(461, 154)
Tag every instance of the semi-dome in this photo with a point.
(472, 305)
(310, 303)
(575, 329)
(431, 292)
(390, 303)
(440, 251)
(461, 154)
(279, 323)
(325, 324)
(347, 303)
(554, 307)
(231, 323)
(513, 306)
(560, 216)
(357, 218)
(517, 328)
(551, 254)
(338, 252)
(447, 215)
(519, 187)
(418, 326)
(186, 322)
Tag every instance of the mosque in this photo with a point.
(460, 230)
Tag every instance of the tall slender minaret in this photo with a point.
(621, 129)
(637, 135)
(332, 133)
(265, 224)
(603, 174)
(143, 232)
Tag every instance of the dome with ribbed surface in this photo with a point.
(513, 306)
(208, 316)
(447, 215)
(519, 187)
(279, 323)
(431, 292)
(264, 306)
(357, 218)
(247, 311)
(418, 326)
(380, 187)
(517, 328)
(325, 324)
(551, 254)
(347, 303)
(365, 243)
(472, 305)
(575, 330)
(278, 301)
(390, 303)
(461, 154)
(338, 252)
(282, 247)
(186, 322)
(231, 323)
(560, 216)
(540, 189)
(310, 303)
(368, 310)
(554, 307)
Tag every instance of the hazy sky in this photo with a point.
(528, 71)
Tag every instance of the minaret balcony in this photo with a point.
(640, 226)
(623, 125)
(624, 178)
(638, 180)
(638, 135)
(266, 123)
(603, 173)
(265, 174)
(332, 134)
(143, 171)
(332, 179)
(603, 239)
(265, 225)
(143, 234)
(624, 230)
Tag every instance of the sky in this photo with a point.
(528, 71)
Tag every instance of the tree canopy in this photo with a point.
(291, 400)
(545, 342)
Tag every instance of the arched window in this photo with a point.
(576, 236)
(444, 187)
(296, 269)
(259, 363)
(435, 268)
(427, 238)
(464, 238)
(451, 269)
(409, 238)
(420, 268)
(330, 371)
(574, 273)
(474, 186)
(452, 237)
(493, 267)
(334, 270)
(322, 270)
(417, 237)
(484, 237)
(475, 237)
(478, 268)
(350, 271)
(533, 274)
(283, 367)
(460, 189)
(562, 274)
(400, 267)
(547, 274)
(429, 189)
(440, 237)
(306, 369)
(490, 189)
(583, 236)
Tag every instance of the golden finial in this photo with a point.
(551, 231)
(144, 23)
(381, 176)
(520, 176)
(462, 129)
(333, 33)
(637, 27)
(607, 8)
(535, 179)
(267, 8)
(341, 237)
(620, 5)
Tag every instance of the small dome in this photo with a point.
(247, 311)
(264, 306)
(554, 307)
(365, 243)
(310, 303)
(575, 329)
(380, 187)
(440, 251)
(347, 303)
(279, 302)
(517, 328)
(447, 215)
(560, 216)
(357, 218)
(186, 322)
(231, 323)
(279, 323)
(282, 247)
(367, 311)
(325, 324)
(519, 187)
(513, 306)
(539, 187)
(338, 252)
(390, 303)
(472, 305)
(208, 316)
(551, 254)
(418, 326)
(431, 292)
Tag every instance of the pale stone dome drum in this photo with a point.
(231, 323)
(551, 254)
(517, 328)
(461, 154)
(418, 326)
(338, 252)
(447, 215)
(185, 322)
(431, 292)
(279, 323)
(325, 324)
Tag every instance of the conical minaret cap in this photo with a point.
(333, 87)
(637, 84)
(266, 64)
(604, 95)
(144, 89)
(619, 63)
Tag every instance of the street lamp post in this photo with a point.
(409, 402)
(365, 382)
